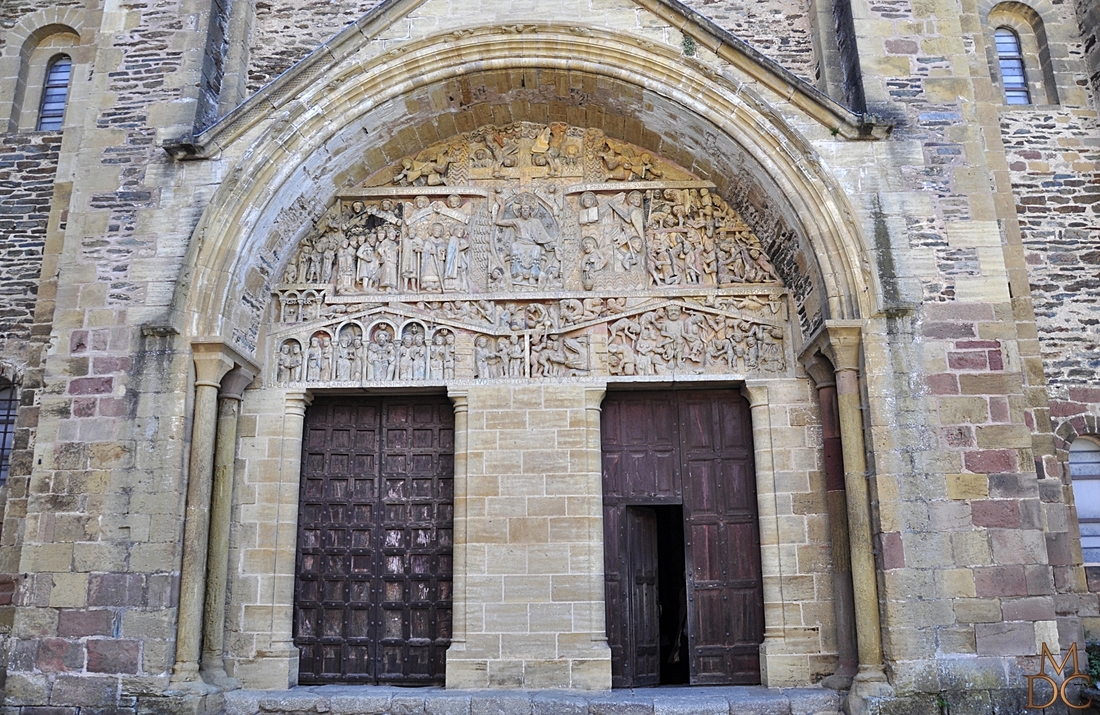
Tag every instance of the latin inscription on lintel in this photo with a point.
(528, 252)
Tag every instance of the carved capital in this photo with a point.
(235, 382)
(756, 393)
(460, 398)
(214, 358)
(297, 402)
(820, 369)
(839, 341)
(593, 397)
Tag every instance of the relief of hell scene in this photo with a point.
(529, 252)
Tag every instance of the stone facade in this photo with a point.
(525, 206)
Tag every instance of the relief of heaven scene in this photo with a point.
(528, 252)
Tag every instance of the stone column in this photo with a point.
(277, 662)
(217, 559)
(770, 548)
(824, 376)
(458, 577)
(211, 364)
(843, 349)
(593, 399)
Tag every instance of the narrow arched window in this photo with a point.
(7, 425)
(55, 93)
(1084, 468)
(1011, 59)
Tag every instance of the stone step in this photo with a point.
(388, 700)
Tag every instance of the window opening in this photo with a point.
(55, 94)
(7, 426)
(1084, 468)
(1011, 59)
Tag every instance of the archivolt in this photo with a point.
(360, 115)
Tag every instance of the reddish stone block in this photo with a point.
(976, 344)
(995, 513)
(78, 341)
(994, 581)
(1084, 394)
(91, 385)
(113, 407)
(943, 383)
(117, 590)
(57, 655)
(113, 656)
(949, 331)
(1065, 409)
(111, 365)
(998, 409)
(78, 624)
(83, 407)
(967, 360)
(892, 549)
(996, 360)
(988, 461)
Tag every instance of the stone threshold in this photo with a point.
(667, 700)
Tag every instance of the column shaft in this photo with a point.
(197, 520)
(217, 559)
(864, 580)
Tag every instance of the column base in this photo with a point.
(216, 676)
(273, 669)
(869, 687)
(187, 681)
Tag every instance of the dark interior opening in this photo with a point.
(672, 590)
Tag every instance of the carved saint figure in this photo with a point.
(343, 358)
(313, 360)
(380, 357)
(437, 357)
(483, 354)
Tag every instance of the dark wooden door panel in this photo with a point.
(692, 447)
(644, 609)
(725, 587)
(375, 536)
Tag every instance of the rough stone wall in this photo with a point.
(780, 29)
(1055, 170)
(284, 33)
(961, 515)
(94, 524)
(28, 165)
(1088, 15)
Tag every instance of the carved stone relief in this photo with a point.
(528, 252)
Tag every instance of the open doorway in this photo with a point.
(672, 595)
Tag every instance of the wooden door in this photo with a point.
(689, 447)
(643, 608)
(375, 519)
(725, 587)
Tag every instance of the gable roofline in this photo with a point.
(208, 142)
